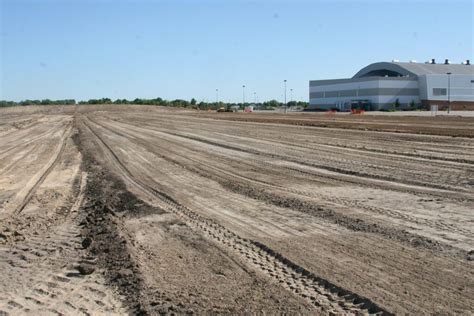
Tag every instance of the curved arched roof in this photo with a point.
(394, 69)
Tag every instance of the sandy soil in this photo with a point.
(443, 125)
(138, 209)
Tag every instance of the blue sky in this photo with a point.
(184, 49)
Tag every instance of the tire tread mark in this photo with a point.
(51, 164)
(248, 189)
(320, 292)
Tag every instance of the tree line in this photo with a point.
(161, 102)
(38, 102)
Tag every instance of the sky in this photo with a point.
(179, 49)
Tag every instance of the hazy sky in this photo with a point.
(184, 49)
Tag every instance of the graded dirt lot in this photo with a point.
(137, 209)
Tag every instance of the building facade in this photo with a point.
(397, 85)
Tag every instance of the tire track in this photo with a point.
(25, 143)
(327, 167)
(253, 188)
(324, 295)
(330, 173)
(328, 164)
(448, 175)
(41, 268)
(9, 166)
(379, 127)
(367, 176)
(39, 177)
(330, 144)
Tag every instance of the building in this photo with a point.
(398, 85)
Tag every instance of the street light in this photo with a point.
(285, 95)
(449, 92)
(243, 95)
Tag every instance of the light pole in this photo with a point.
(217, 97)
(285, 95)
(243, 95)
(449, 91)
(291, 95)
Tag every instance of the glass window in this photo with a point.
(439, 91)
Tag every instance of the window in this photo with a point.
(439, 91)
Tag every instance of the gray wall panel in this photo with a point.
(365, 92)
(398, 91)
(348, 93)
(316, 83)
(331, 94)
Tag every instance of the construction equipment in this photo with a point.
(225, 109)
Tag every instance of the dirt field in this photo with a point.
(129, 209)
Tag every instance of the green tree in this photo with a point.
(292, 104)
(271, 104)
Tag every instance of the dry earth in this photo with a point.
(146, 210)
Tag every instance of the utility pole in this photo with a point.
(449, 92)
(255, 97)
(285, 95)
(217, 97)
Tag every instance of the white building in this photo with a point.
(386, 84)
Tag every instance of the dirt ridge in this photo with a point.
(321, 293)
(350, 223)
